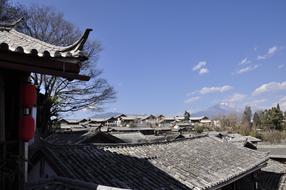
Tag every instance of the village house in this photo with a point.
(159, 117)
(194, 163)
(124, 120)
(118, 119)
(129, 120)
(179, 118)
(19, 56)
(201, 119)
(72, 124)
(72, 121)
(115, 121)
(150, 120)
(167, 120)
(273, 176)
(102, 121)
(237, 139)
(99, 135)
(277, 151)
(179, 126)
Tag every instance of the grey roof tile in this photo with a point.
(182, 164)
(62, 183)
(14, 39)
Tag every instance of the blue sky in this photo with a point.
(170, 56)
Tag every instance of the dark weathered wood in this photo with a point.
(42, 70)
(2, 129)
(44, 62)
(2, 112)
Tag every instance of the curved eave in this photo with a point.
(15, 41)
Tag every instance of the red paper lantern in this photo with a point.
(29, 95)
(27, 128)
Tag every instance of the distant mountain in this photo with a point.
(217, 110)
(211, 112)
(105, 115)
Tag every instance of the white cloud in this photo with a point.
(271, 86)
(233, 101)
(215, 89)
(244, 61)
(236, 97)
(227, 105)
(247, 69)
(203, 71)
(271, 51)
(201, 67)
(192, 99)
(281, 66)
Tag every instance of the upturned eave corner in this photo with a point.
(78, 45)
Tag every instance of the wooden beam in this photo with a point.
(43, 62)
(42, 70)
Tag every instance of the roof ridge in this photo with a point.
(146, 143)
(73, 50)
(101, 145)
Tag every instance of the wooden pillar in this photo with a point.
(2, 129)
(235, 185)
(23, 146)
(253, 181)
(2, 112)
(11, 111)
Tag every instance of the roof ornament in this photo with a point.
(78, 45)
(12, 25)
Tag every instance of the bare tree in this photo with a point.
(246, 120)
(230, 120)
(8, 11)
(256, 121)
(58, 95)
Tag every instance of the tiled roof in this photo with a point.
(131, 137)
(15, 41)
(72, 121)
(69, 137)
(276, 150)
(273, 176)
(198, 163)
(201, 162)
(237, 138)
(83, 136)
(253, 139)
(62, 183)
(100, 119)
(198, 118)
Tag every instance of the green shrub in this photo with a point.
(244, 131)
(274, 136)
(199, 128)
